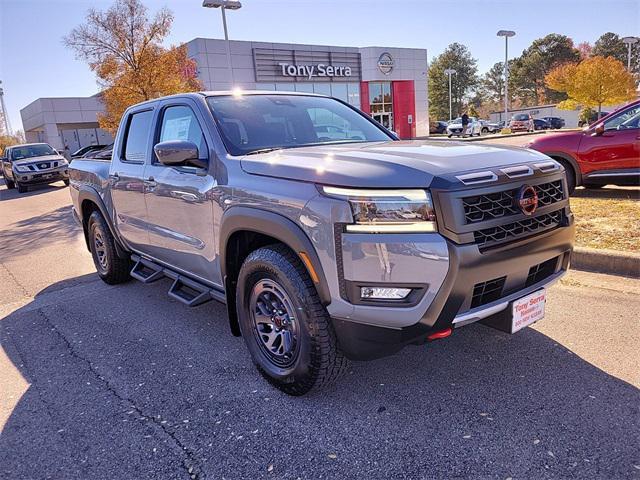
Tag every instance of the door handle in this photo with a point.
(150, 182)
(114, 178)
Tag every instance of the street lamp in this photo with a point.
(506, 34)
(629, 41)
(449, 72)
(224, 5)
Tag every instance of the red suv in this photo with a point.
(522, 122)
(605, 153)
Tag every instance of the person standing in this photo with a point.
(465, 124)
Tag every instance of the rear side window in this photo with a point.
(137, 138)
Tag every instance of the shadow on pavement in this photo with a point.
(608, 192)
(6, 194)
(25, 236)
(126, 383)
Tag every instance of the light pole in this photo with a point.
(506, 34)
(629, 41)
(449, 72)
(224, 5)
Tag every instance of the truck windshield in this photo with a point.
(257, 123)
(28, 151)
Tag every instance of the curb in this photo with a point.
(613, 262)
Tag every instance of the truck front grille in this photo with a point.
(539, 272)
(480, 208)
(514, 230)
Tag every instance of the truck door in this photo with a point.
(127, 176)
(179, 198)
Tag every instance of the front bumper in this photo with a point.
(42, 176)
(452, 305)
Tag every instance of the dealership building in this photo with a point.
(390, 84)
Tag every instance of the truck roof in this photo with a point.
(221, 93)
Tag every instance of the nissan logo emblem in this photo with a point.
(527, 199)
(385, 63)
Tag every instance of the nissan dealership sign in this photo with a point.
(310, 71)
(385, 63)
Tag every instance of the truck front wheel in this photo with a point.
(111, 268)
(285, 326)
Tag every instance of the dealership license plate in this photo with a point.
(528, 310)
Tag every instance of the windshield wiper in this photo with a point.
(264, 150)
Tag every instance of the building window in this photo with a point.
(380, 97)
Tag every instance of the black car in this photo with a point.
(540, 124)
(85, 150)
(438, 127)
(554, 122)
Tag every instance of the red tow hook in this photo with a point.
(440, 334)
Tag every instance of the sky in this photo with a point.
(34, 63)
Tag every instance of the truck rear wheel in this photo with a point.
(22, 188)
(111, 268)
(285, 326)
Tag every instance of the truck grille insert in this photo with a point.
(487, 292)
(515, 230)
(539, 272)
(480, 208)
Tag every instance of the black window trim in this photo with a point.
(123, 148)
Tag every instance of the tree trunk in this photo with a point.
(599, 110)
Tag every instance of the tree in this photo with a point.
(492, 83)
(611, 45)
(585, 50)
(8, 140)
(528, 72)
(124, 49)
(593, 82)
(457, 57)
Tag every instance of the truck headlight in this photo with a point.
(387, 211)
(21, 168)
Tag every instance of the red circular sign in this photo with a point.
(527, 199)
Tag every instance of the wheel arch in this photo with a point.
(571, 161)
(89, 201)
(260, 227)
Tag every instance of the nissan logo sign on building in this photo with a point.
(385, 63)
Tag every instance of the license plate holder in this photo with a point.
(528, 310)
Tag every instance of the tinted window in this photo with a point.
(521, 117)
(180, 123)
(135, 148)
(629, 118)
(254, 122)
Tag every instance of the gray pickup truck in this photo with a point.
(32, 164)
(323, 247)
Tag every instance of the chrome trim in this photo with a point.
(485, 311)
(620, 174)
(477, 177)
(518, 171)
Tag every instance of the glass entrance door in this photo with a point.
(386, 119)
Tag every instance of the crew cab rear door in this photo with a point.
(179, 198)
(126, 177)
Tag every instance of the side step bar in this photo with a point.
(183, 289)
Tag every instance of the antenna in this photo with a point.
(5, 125)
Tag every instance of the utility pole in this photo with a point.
(629, 41)
(5, 124)
(449, 72)
(225, 5)
(506, 34)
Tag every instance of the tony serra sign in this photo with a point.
(310, 71)
(307, 65)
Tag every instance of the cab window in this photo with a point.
(137, 136)
(628, 119)
(180, 123)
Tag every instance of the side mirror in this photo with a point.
(178, 153)
(599, 130)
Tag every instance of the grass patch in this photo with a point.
(607, 218)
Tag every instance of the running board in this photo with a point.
(183, 289)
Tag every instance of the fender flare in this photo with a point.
(87, 193)
(237, 219)
(572, 161)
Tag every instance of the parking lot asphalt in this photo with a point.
(123, 382)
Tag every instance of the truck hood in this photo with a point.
(42, 158)
(412, 163)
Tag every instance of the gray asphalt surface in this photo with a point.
(123, 382)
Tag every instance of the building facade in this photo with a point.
(390, 84)
(60, 122)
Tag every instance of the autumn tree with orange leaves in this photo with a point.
(123, 46)
(596, 81)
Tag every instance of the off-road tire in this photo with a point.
(22, 188)
(115, 269)
(319, 361)
(10, 185)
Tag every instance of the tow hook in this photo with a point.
(440, 334)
